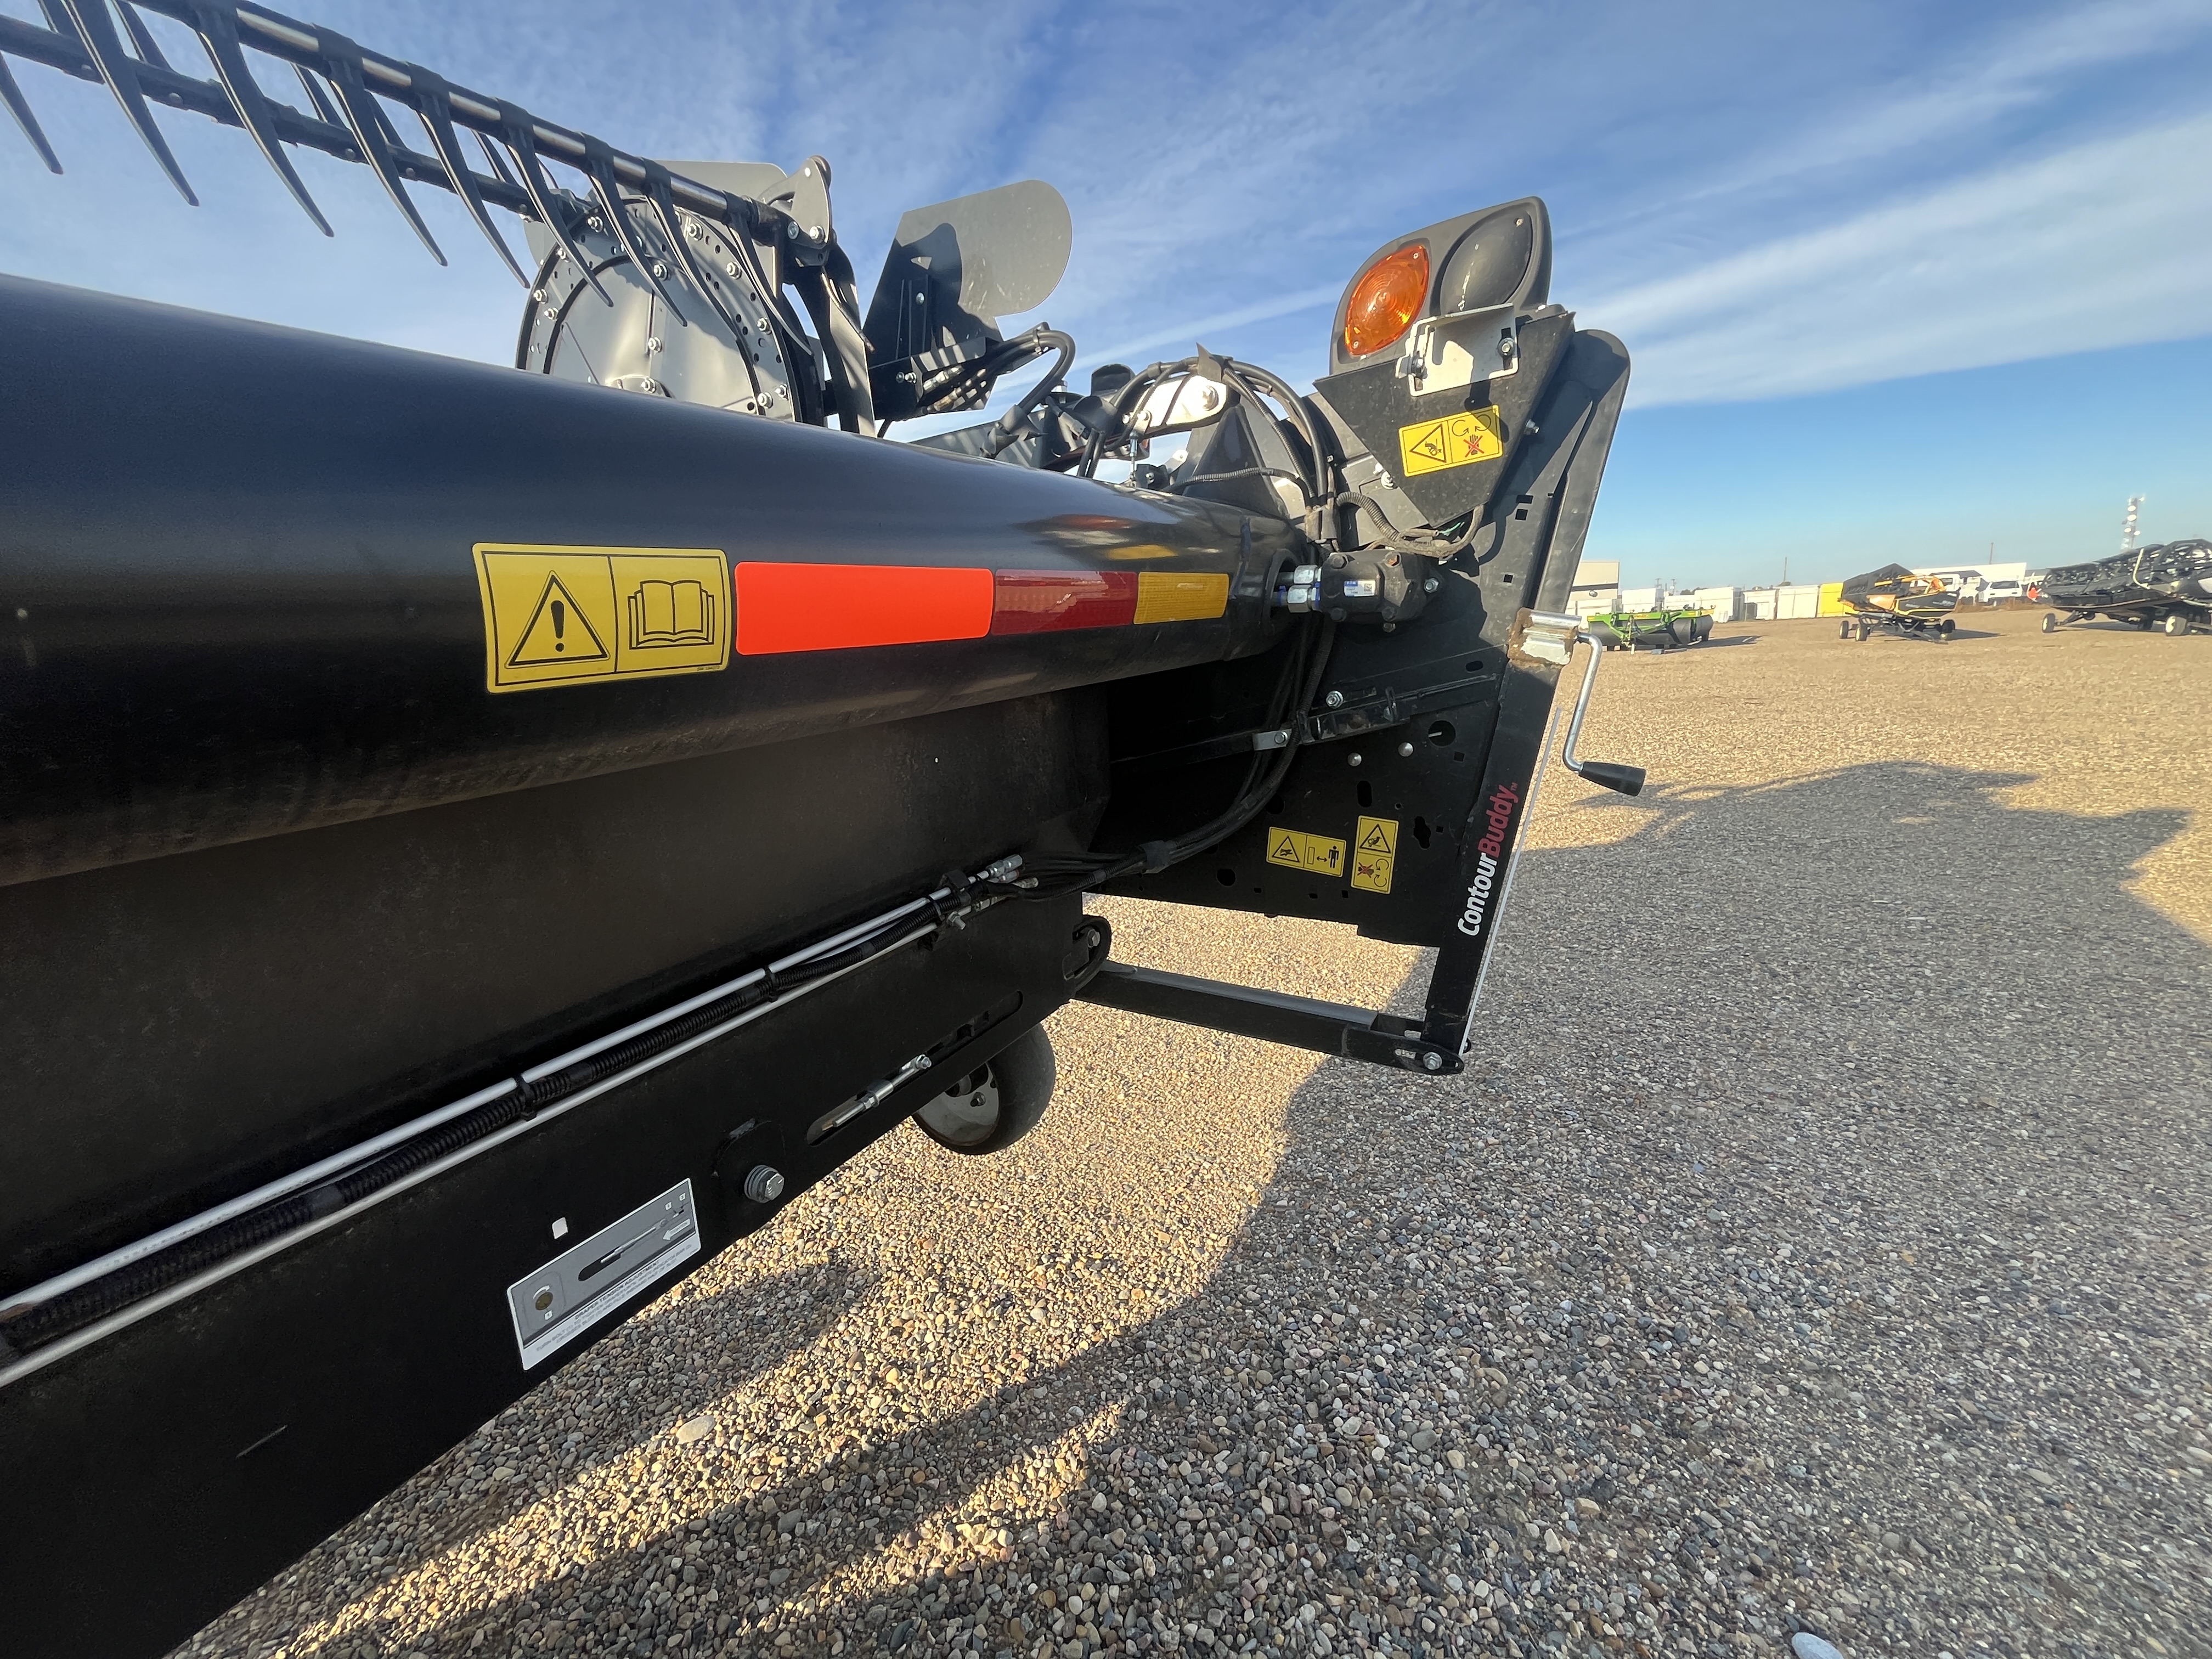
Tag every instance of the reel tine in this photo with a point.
(514, 124)
(216, 24)
(19, 107)
(95, 32)
(432, 101)
(341, 64)
(324, 111)
(599, 168)
(663, 200)
(491, 154)
(141, 38)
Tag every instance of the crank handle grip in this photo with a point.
(1626, 780)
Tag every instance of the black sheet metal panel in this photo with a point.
(1435, 685)
(175, 1031)
(211, 1442)
(237, 586)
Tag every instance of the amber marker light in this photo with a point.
(1385, 300)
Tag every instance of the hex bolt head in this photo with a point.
(1334, 700)
(1432, 1062)
(763, 1185)
(1431, 585)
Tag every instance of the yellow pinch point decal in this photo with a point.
(563, 616)
(1374, 854)
(1164, 596)
(1461, 439)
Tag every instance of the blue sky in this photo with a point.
(1899, 281)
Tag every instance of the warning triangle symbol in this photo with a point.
(1374, 841)
(557, 632)
(1431, 446)
(1285, 848)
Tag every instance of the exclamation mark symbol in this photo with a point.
(559, 625)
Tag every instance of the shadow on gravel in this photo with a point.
(1811, 1244)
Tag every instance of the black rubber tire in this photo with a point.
(1024, 1073)
(2051, 622)
(1845, 632)
(2175, 624)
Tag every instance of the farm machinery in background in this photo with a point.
(2166, 586)
(476, 841)
(1663, 630)
(1893, 597)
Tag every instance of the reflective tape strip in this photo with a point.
(1048, 601)
(1180, 595)
(837, 607)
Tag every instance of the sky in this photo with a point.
(1900, 281)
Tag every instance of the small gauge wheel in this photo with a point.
(999, 1103)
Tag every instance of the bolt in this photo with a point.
(814, 233)
(1334, 700)
(653, 343)
(1431, 585)
(1405, 749)
(730, 268)
(763, 1185)
(538, 294)
(594, 224)
(1354, 758)
(791, 230)
(1432, 1062)
(1532, 429)
(659, 270)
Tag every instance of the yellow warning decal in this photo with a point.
(1180, 595)
(1461, 439)
(557, 615)
(1322, 855)
(1374, 854)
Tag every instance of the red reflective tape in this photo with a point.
(837, 607)
(1046, 601)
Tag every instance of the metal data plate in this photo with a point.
(589, 1280)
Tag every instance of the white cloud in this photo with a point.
(2105, 244)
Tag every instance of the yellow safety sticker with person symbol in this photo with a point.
(1374, 854)
(1319, 855)
(1460, 439)
(561, 615)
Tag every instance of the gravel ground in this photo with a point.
(1817, 1242)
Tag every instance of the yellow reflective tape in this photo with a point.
(561, 615)
(1165, 596)
(1461, 439)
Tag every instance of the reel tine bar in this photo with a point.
(81, 39)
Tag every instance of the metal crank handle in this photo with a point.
(1611, 774)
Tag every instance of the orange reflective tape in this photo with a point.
(840, 607)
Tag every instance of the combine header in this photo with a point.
(2168, 586)
(1893, 597)
(472, 845)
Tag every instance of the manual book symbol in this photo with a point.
(557, 632)
(671, 613)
